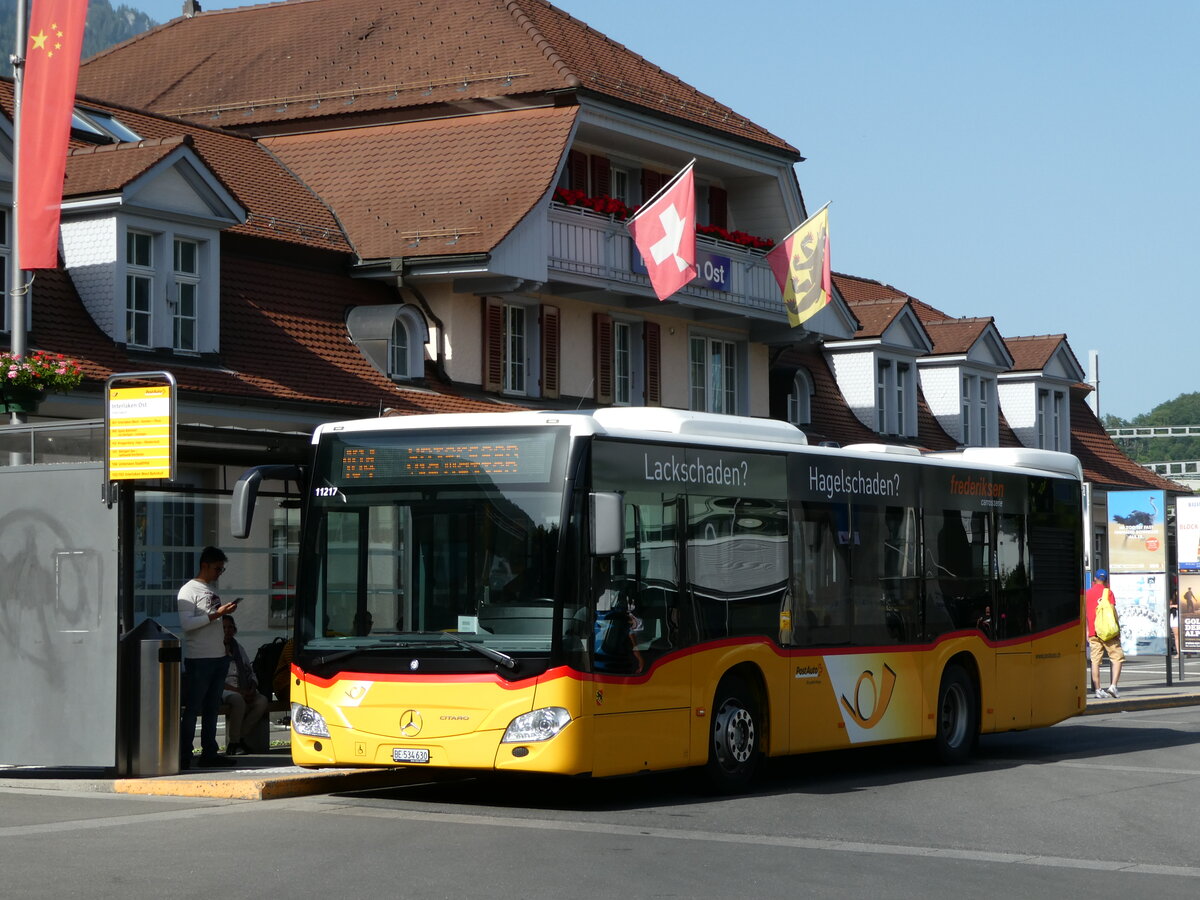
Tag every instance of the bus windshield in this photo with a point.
(414, 534)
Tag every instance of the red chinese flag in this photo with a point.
(664, 231)
(47, 102)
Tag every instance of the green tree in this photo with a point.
(1183, 410)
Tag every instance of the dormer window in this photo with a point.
(187, 293)
(398, 351)
(895, 397)
(139, 288)
(1051, 416)
(977, 393)
(799, 400)
(169, 303)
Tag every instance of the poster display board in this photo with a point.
(1141, 607)
(1137, 532)
(1187, 533)
(1189, 612)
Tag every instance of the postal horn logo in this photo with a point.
(875, 697)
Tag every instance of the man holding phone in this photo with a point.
(204, 659)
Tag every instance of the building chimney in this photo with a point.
(1093, 399)
(191, 7)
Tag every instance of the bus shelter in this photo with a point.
(79, 574)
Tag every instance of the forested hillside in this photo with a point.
(105, 26)
(1183, 410)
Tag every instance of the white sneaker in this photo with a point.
(1101, 694)
(1112, 691)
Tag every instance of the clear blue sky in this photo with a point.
(1036, 160)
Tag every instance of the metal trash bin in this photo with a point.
(150, 697)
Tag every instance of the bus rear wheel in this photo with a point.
(733, 743)
(957, 717)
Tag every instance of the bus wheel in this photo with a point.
(733, 748)
(957, 717)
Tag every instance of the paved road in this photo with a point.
(1103, 806)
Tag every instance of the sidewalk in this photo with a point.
(272, 776)
(265, 776)
(1144, 685)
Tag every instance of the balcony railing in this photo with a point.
(592, 248)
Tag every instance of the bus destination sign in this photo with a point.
(522, 458)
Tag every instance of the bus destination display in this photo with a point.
(508, 459)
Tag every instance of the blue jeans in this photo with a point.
(204, 680)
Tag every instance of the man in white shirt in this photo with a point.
(204, 659)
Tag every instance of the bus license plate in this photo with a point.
(409, 755)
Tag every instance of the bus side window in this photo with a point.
(637, 614)
(821, 575)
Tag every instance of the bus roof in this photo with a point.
(709, 428)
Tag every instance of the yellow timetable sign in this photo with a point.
(139, 432)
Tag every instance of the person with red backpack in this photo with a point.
(1110, 646)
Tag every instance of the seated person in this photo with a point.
(281, 681)
(246, 704)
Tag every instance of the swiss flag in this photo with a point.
(47, 103)
(664, 231)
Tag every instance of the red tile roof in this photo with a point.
(1031, 354)
(952, 336)
(441, 187)
(102, 170)
(281, 338)
(279, 205)
(1103, 462)
(833, 420)
(313, 59)
(874, 316)
(858, 290)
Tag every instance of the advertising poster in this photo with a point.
(1189, 612)
(1137, 534)
(1142, 609)
(1187, 531)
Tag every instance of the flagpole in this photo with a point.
(16, 280)
(809, 219)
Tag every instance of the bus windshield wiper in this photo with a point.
(500, 659)
(362, 648)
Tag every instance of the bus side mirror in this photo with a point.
(245, 492)
(607, 519)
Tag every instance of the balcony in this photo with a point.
(589, 251)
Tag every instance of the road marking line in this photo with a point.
(766, 840)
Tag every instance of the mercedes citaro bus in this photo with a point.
(633, 589)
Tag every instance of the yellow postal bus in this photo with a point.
(625, 590)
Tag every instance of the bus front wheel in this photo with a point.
(733, 744)
(957, 717)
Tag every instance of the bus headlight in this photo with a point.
(539, 725)
(306, 720)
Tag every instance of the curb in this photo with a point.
(1133, 704)
(267, 787)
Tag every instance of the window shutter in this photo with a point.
(651, 343)
(601, 177)
(550, 348)
(718, 207)
(602, 351)
(577, 170)
(652, 183)
(493, 344)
